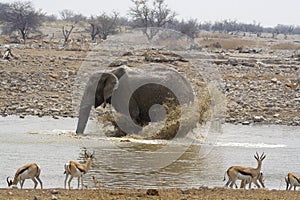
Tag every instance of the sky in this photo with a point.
(268, 13)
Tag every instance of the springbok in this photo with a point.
(96, 182)
(75, 169)
(248, 174)
(292, 180)
(260, 180)
(29, 171)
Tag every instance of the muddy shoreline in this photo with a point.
(201, 193)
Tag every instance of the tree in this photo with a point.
(66, 34)
(66, 14)
(22, 17)
(145, 16)
(189, 28)
(69, 15)
(103, 25)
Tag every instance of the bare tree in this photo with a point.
(146, 16)
(103, 25)
(69, 15)
(66, 14)
(22, 17)
(66, 34)
(189, 28)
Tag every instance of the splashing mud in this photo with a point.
(180, 119)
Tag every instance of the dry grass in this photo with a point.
(230, 43)
(285, 46)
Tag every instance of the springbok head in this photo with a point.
(260, 158)
(9, 182)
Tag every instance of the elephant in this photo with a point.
(137, 93)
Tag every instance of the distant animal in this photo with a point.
(292, 84)
(96, 182)
(292, 181)
(248, 174)
(75, 169)
(7, 54)
(29, 171)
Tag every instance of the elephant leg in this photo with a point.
(107, 92)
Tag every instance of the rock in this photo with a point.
(231, 120)
(258, 118)
(37, 197)
(274, 80)
(246, 123)
(53, 197)
(54, 192)
(152, 192)
(185, 192)
(54, 76)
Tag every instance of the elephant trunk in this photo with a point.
(84, 113)
(88, 100)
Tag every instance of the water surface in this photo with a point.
(145, 163)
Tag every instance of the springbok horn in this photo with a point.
(255, 156)
(85, 152)
(9, 182)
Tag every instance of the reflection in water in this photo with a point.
(145, 164)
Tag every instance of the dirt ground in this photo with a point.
(179, 194)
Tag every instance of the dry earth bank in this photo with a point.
(256, 82)
(180, 194)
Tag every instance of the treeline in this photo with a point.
(231, 26)
(23, 18)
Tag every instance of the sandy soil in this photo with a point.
(202, 193)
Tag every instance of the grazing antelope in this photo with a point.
(260, 180)
(96, 182)
(293, 85)
(247, 174)
(30, 171)
(292, 180)
(248, 179)
(245, 179)
(75, 169)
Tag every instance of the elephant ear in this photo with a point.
(105, 87)
(120, 71)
